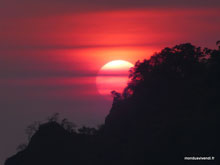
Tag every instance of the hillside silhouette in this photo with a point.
(168, 111)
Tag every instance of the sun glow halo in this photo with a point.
(113, 76)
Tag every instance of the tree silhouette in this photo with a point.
(54, 118)
(218, 43)
(87, 130)
(32, 129)
(69, 126)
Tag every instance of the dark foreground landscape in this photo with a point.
(167, 112)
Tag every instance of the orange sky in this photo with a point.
(95, 38)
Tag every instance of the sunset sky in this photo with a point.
(52, 51)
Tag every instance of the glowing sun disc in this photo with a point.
(113, 76)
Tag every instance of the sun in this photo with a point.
(113, 76)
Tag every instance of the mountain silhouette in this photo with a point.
(168, 111)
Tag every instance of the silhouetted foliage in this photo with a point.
(67, 125)
(87, 131)
(180, 62)
(21, 147)
(54, 118)
(32, 129)
(218, 43)
(117, 96)
(168, 111)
